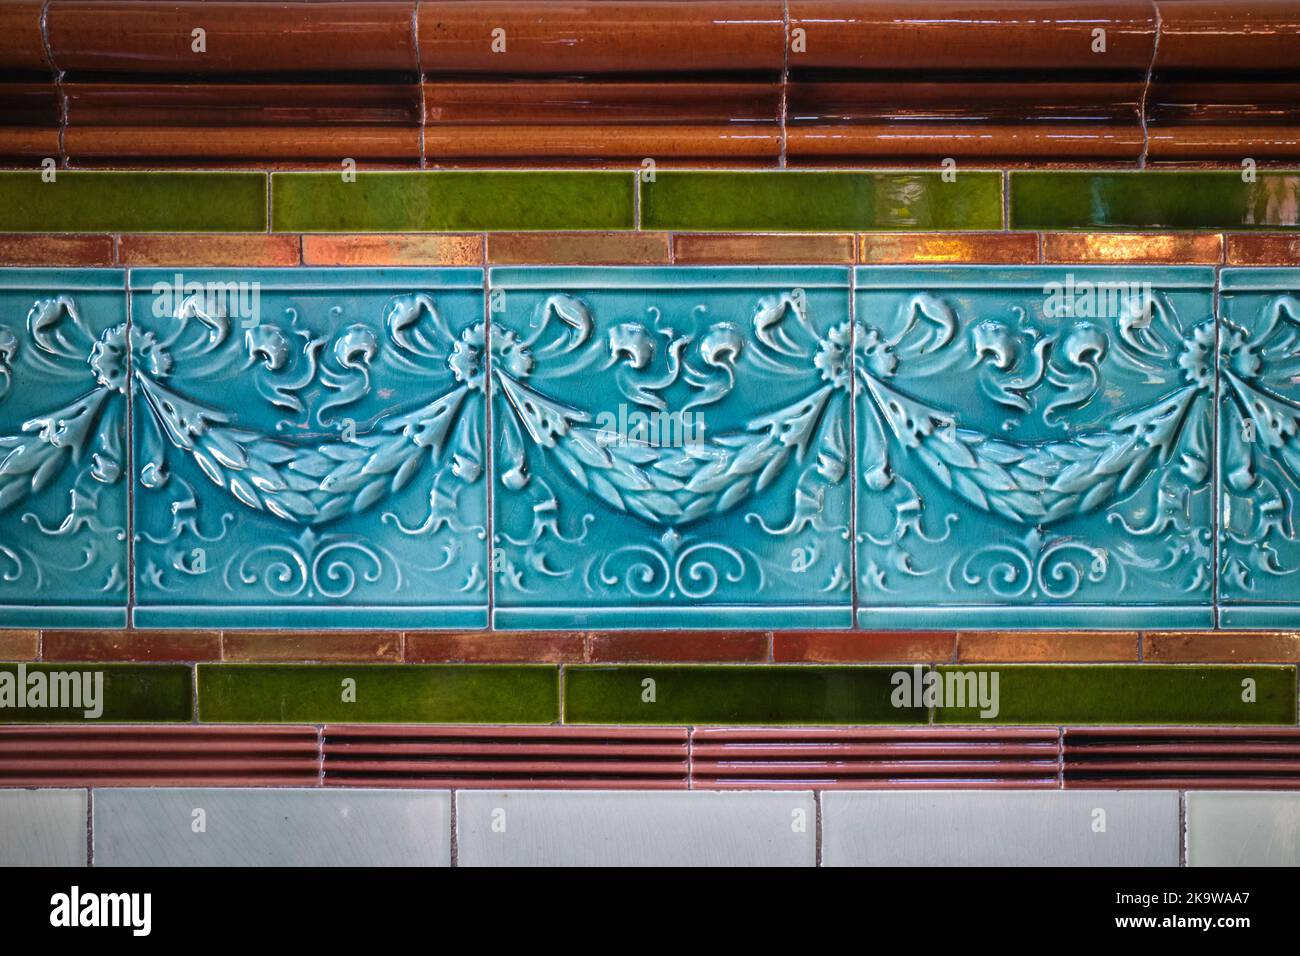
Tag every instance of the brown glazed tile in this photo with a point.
(1213, 35)
(631, 142)
(1179, 144)
(311, 645)
(1213, 647)
(136, 36)
(159, 756)
(567, 37)
(578, 248)
(972, 35)
(653, 646)
(18, 645)
(1172, 248)
(1263, 249)
(848, 647)
(788, 248)
(604, 758)
(38, 250)
(176, 145)
(985, 142)
(204, 250)
(28, 142)
(994, 248)
(533, 647)
(1046, 646)
(392, 250)
(860, 758)
(22, 47)
(1223, 758)
(130, 646)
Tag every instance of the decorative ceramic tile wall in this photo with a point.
(1035, 445)
(1029, 447)
(310, 444)
(671, 446)
(63, 447)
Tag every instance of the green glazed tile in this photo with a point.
(400, 693)
(1165, 199)
(733, 695)
(123, 693)
(816, 201)
(1130, 694)
(109, 201)
(451, 200)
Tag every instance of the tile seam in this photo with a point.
(419, 78)
(1146, 87)
(818, 827)
(58, 82)
(784, 107)
(90, 827)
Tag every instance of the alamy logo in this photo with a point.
(233, 300)
(960, 689)
(1085, 299)
(632, 426)
(74, 908)
(55, 690)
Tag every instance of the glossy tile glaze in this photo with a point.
(1259, 447)
(1030, 450)
(730, 506)
(1228, 828)
(63, 447)
(43, 828)
(309, 448)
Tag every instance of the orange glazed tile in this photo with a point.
(18, 645)
(393, 250)
(832, 647)
(649, 646)
(29, 141)
(131, 646)
(1221, 646)
(791, 248)
(1044, 646)
(311, 646)
(578, 248)
(1174, 248)
(998, 248)
(537, 143)
(1264, 250)
(20, 250)
(201, 250)
(536, 647)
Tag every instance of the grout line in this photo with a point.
(1182, 827)
(455, 844)
(1005, 185)
(690, 758)
(636, 201)
(128, 439)
(817, 826)
(784, 118)
(854, 597)
(58, 83)
(419, 76)
(90, 826)
(1146, 87)
(320, 753)
(1060, 758)
(1215, 440)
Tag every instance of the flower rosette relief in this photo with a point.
(330, 452)
(1013, 457)
(1259, 414)
(63, 362)
(669, 443)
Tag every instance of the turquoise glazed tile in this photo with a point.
(379, 693)
(309, 448)
(96, 693)
(63, 498)
(1164, 199)
(1117, 694)
(817, 201)
(671, 447)
(745, 694)
(453, 200)
(1034, 447)
(122, 201)
(1259, 448)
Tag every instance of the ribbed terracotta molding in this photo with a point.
(750, 82)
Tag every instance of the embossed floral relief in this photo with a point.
(1035, 438)
(1259, 446)
(63, 550)
(322, 450)
(667, 442)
